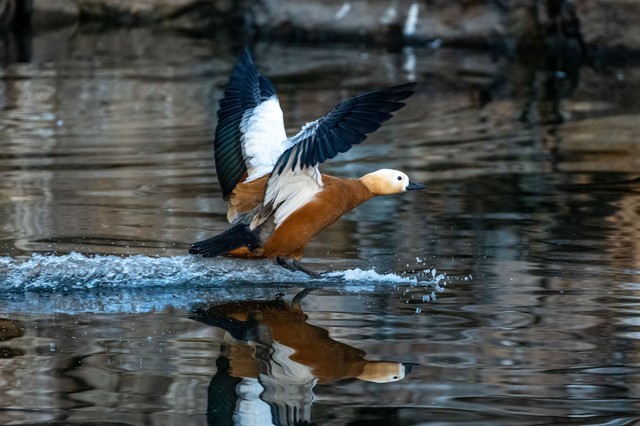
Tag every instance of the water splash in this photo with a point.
(81, 272)
(77, 271)
(370, 275)
(106, 283)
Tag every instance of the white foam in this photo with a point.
(370, 275)
(77, 271)
(107, 283)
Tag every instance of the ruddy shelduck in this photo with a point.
(277, 198)
(278, 324)
(271, 359)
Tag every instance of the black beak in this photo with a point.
(413, 185)
(408, 366)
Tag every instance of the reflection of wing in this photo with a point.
(295, 179)
(221, 394)
(250, 134)
(251, 409)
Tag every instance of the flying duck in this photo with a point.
(277, 198)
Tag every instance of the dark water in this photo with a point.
(512, 281)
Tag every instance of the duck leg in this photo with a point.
(301, 295)
(297, 266)
(301, 268)
(283, 262)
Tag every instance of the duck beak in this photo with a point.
(413, 185)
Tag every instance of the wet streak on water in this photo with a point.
(531, 213)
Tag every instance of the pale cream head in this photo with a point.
(382, 372)
(388, 181)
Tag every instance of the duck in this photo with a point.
(278, 200)
(282, 326)
(271, 359)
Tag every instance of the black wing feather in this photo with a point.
(347, 124)
(246, 89)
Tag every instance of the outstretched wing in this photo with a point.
(296, 179)
(250, 134)
(347, 124)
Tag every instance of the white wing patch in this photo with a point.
(288, 192)
(263, 137)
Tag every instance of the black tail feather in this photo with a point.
(238, 236)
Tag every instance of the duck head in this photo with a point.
(388, 181)
(384, 371)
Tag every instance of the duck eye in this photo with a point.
(399, 177)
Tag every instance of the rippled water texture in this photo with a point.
(505, 293)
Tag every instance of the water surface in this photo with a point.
(511, 282)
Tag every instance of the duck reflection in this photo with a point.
(272, 358)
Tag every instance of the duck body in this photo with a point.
(277, 198)
(276, 323)
(288, 240)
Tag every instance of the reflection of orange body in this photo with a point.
(285, 324)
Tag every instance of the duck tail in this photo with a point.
(233, 238)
